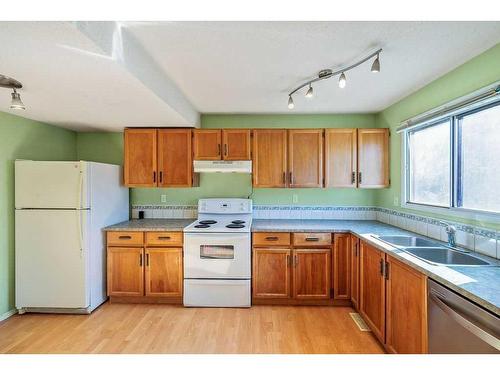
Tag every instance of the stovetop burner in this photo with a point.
(202, 226)
(208, 222)
(235, 226)
(238, 222)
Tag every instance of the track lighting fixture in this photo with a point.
(329, 73)
(11, 83)
(310, 93)
(342, 80)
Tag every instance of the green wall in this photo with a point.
(481, 71)
(21, 138)
(108, 147)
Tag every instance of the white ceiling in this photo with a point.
(107, 75)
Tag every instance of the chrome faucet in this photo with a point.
(451, 231)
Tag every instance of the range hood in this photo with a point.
(222, 166)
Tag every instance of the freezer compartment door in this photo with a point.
(51, 184)
(217, 293)
(51, 258)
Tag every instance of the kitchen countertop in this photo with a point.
(151, 225)
(479, 284)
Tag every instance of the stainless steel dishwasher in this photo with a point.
(457, 325)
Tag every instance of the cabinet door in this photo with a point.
(311, 273)
(342, 266)
(269, 158)
(305, 158)
(207, 144)
(164, 277)
(372, 293)
(373, 158)
(125, 271)
(406, 309)
(139, 169)
(236, 144)
(340, 157)
(271, 273)
(175, 164)
(355, 256)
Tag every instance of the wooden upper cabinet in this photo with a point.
(207, 144)
(340, 157)
(311, 273)
(164, 276)
(175, 164)
(271, 273)
(372, 292)
(406, 309)
(355, 256)
(140, 158)
(125, 271)
(373, 158)
(305, 158)
(342, 266)
(269, 158)
(236, 144)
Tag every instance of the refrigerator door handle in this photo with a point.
(80, 231)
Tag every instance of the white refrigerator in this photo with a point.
(61, 208)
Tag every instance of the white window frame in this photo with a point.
(466, 213)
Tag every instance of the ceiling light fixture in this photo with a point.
(11, 83)
(329, 73)
(310, 92)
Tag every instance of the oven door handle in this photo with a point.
(464, 322)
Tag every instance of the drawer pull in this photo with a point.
(164, 237)
(274, 238)
(312, 239)
(125, 237)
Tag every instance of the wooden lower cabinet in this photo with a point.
(125, 271)
(342, 266)
(311, 273)
(406, 308)
(163, 272)
(271, 273)
(355, 256)
(372, 292)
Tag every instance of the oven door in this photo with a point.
(217, 256)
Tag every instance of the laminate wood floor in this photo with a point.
(124, 328)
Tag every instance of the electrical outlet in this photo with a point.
(295, 198)
(396, 201)
(163, 198)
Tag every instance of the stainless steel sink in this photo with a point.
(445, 256)
(408, 241)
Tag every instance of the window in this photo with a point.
(453, 162)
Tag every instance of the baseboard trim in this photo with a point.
(8, 314)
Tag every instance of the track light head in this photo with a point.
(291, 104)
(310, 92)
(376, 65)
(16, 102)
(342, 80)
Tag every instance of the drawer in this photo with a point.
(164, 238)
(271, 239)
(125, 238)
(312, 239)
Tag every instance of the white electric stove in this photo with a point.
(217, 254)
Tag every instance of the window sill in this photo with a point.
(491, 217)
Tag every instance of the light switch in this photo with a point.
(295, 198)
(163, 198)
(396, 201)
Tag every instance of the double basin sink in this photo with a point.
(433, 252)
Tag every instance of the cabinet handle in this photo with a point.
(353, 177)
(386, 270)
(290, 178)
(225, 149)
(312, 239)
(288, 263)
(140, 260)
(124, 237)
(271, 238)
(164, 237)
(296, 260)
(284, 178)
(359, 177)
(356, 253)
(218, 149)
(161, 176)
(154, 176)
(147, 260)
(382, 267)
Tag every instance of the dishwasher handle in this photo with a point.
(464, 322)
